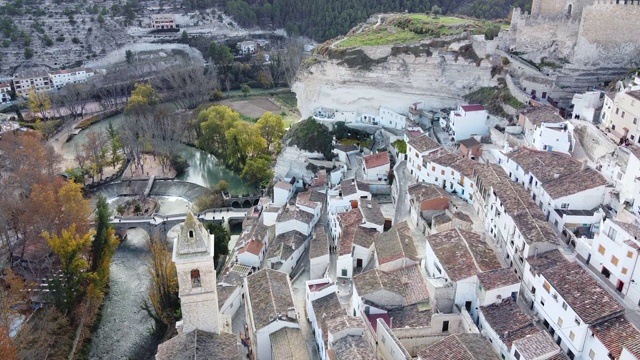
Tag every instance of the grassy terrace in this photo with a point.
(402, 29)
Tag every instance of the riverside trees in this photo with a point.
(244, 147)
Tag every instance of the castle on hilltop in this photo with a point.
(587, 34)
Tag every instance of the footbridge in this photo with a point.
(244, 200)
(161, 224)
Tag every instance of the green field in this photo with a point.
(402, 29)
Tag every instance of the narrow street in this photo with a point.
(402, 204)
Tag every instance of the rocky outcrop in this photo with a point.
(438, 72)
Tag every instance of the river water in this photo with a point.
(125, 330)
(204, 169)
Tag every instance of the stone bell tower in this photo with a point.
(193, 256)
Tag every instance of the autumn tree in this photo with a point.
(214, 123)
(163, 291)
(39, 104)
(244, 142)
(96, 149)
(8, 351)
(272, 130)
(258, 170)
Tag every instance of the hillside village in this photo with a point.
(454, 231)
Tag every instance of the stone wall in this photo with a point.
(516, 91)
(609, 35)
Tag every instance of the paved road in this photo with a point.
(402, 203)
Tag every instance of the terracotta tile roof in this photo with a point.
(319, 245)
(545, 165)
(304, 199)
(350, 187)
(422, 191)
(283, 185)
(548, 260)
(462, 253)
(352, 347)
(375, 280)
(349, 222)
(441, 157)
(473, 107)
(415, 287)
(538, 115)
(494, 279)
(395, 244)
(465, 166)
(634, 94)
(617, 333)
(575, 183)
(288, 344)
(442, 218)
(581, 292)
(199, 344)
(460, 347)
(293, 213)
(470, 143)
(632, 229)
(364, 237)
(269, 292)
(424, 143)
(537, 345)
(506, 318)
(332, 317)
(253, 247)
(375, 160)
(371, 211)
(285, 244)
(412, 316)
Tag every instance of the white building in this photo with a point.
(71, 76)
(163, 21)
(556, 181)
(620, 114)
(587, 106)
(570, 301)
(282, 192)
(246, 47)
(269, 307)
(544, 129)
(346, 195)
(395, 249)
(37, 81)
(629, 186)
(391, 119)
(343, 152)
(468, 120)
(614, 338)
(285, 251)
(252, 254)
(614, 253)
(319, 255)
(376, 166)
(5, 93)
(417, 148)
(449, 171)
(294, 219)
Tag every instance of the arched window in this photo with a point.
(190, 233)
(195, 278)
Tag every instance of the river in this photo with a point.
(204, 169)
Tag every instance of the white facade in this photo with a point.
(468, 120)
(552, 137)
(391, 119)
(38, 82)
(5, 93)
(629, 185)
(587, 106)
(447, 178)
(378, 173)
(252, 255)
(163, 21)
(73, 76)
(318, 266)
(247, 47)
(615, 252)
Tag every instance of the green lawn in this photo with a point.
(381, 36)
(445, 20)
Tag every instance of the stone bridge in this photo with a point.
(244, 201)
(161, 224)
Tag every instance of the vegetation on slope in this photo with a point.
(492, 99)
(322, 20)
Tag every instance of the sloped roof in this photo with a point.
(288, 344)
(460, 347)
(376, 160)
(270, 294)
(424, 143)
(396, 244)
(616, 333)
(199, 344)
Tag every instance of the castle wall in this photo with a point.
(547, 7)
(609, 35)
(540, 36)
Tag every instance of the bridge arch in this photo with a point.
(246, 203)
(235, 204)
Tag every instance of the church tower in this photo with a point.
(193, 256)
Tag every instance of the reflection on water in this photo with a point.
(169, 205)
(204, 168)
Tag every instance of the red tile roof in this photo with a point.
(375, 160)
(617, 333)
(470, 108)
(253, 247)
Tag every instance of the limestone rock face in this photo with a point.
(439, 78)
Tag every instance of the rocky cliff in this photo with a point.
(438, 72)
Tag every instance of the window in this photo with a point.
(622, 116)
(564, 305)
(437, 268)
(445, 326)
(542, 301)
(614, 260)
(572, 336)
(195, 278)
(632, 137)
(577, 322)
(629, 254)
(190, 233)
(344, 272)
(564, 206)
(516, 354)
(601, 249)
(433, 168)
(635, 121)
(547, 287)
(592, 354)
(451, 172)
(617, 111)
(441, 172)
(560, 321)
(624, 271)
(613, 127)
(611, 233)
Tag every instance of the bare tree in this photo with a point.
(292, 57)
(75, 97)
(190, 85)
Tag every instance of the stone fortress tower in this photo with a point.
(585, 34)
(193, 255)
